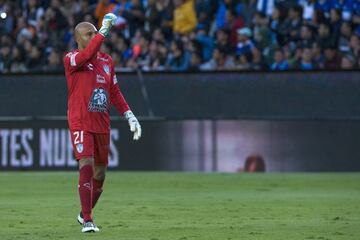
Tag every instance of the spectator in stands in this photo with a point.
(280, 63)
(18, 60)
(318, 17)
(293, 23)
(42, 35)
(178, 59)
(354, 45)
(306, 35)
(257, 62)
(324, 35)
(69, 8)
(262, 33)
(56, 16)
(233, 23)
(121, 10)
(158, 35)
(205, 41)
(219, 61)
(335, 21)
(245, 45)
(5, 41)
(135, 16)
(243, 62)
(345, 34)
(140, 51)
(289, 54)
(157, 58)
(153, 15)
(205, 11)
(34, 59)
(56, 22)
(5, 58)
(247, 11)
(329, 28)
(305, 62)
(162, 55)
(117, 60)
(332, 58)
(84, 9)
(24, 30)
(190, 44)
(277, 26)
(317, 54)
(33, 12)
(106, 48)
(54, 63)
(121, 47)
(348, 61)
(166, 9)
(195, 61)
(222, 40)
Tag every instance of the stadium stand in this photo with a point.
(183, 35)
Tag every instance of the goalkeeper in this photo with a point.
(92, 85)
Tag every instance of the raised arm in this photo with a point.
(75, 60)
(78, 59)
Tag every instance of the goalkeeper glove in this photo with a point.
(107, 22)
(134, 124)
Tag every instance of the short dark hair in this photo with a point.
(256, 159)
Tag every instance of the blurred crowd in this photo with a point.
(186, 35)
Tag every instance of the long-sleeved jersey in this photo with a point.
(92, 86)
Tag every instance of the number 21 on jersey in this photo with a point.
(78, 137)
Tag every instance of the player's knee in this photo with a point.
(86, 161)
(99, 173)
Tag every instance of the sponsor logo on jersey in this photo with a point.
(107, 69)
(79, 147)
(98, 101)
(103, 59)
(100, 79)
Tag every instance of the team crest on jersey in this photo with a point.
(80, 147)
(98, 101)
(107, 69)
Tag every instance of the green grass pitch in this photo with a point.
(184, 206)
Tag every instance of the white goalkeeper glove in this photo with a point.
(107, 22)
(134, 124)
